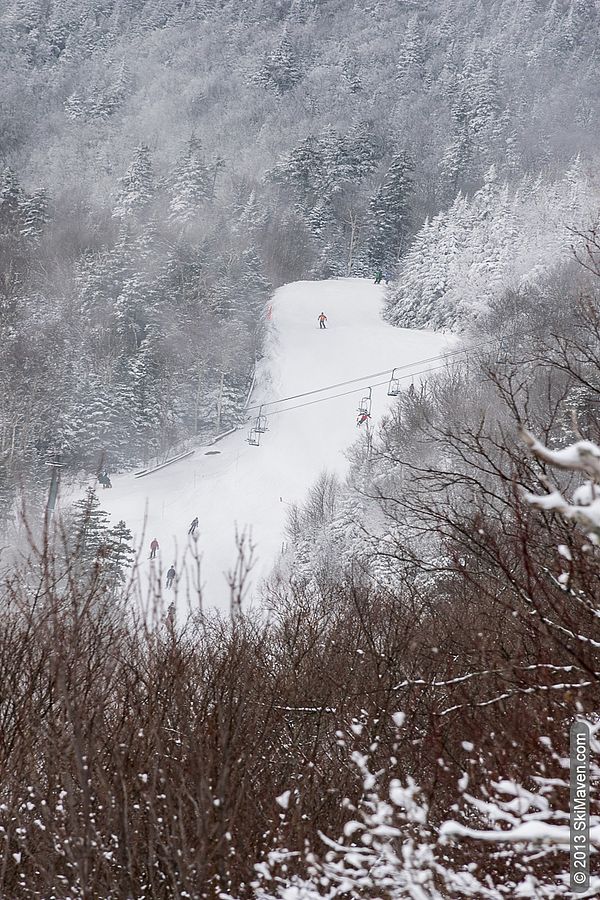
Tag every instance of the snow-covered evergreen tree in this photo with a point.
(137, 186)
(191, 185)
(390, 212)
(281, 70)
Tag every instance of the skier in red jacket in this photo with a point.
(153, 548)
(322, 320)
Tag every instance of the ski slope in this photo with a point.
(250, 488)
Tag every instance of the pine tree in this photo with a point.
(90, 532)
(411, 63)
(34, 215)
(352, 75)
(12, 256)
(300, 167)
(99, 551)
(390, 211)
(11, 195)
(364, 150)
(254, 289)
(119, 550)
(302, 11)
(581, 22)
(457, 158)
(280, 69)
(137, 186)
(136, 305)
(191, 186)
(252, 215)
(147, 391)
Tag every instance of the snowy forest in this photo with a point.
(166, 163)
(393, 722)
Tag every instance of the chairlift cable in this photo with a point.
(353, 391)
(332, 387)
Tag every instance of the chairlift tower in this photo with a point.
(55, 467)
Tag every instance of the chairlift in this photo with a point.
(364, 407)
(254, 437)
(260, 424)
(394, 385)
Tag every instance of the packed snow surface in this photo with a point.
(250, 488)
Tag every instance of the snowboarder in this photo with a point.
(153, 548)
(322, 320)
(362, 418)
(378, 276)
(193, 526)
(171, 576)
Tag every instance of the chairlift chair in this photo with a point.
(254, 437)
(394, 385)
(261, 421)
(365, 404)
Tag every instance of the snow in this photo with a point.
(529, 832)
(252, 488)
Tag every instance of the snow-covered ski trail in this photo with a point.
(250, 488)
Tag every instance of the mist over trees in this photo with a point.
(166, 163)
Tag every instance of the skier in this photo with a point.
(106, 482)
(153, 548)
(171, 576)
(362, 418)
(378, 276)
(322, 320)
(193, 526)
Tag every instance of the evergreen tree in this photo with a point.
(300, 167)
(581, 22)
(280, 70)
(411, 62)
(12, 251)
(390, 211)
(34, 215)
(11, 195)
(90, 531)
(100, 552)
(136, 306)
(352, 75)
(119, 550)
(191, 185)
(147, 392)
(254, 289)
(137, 186)
(457, 159)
